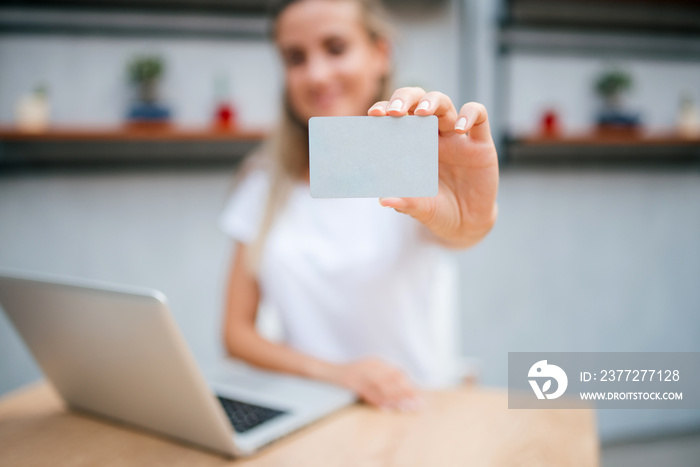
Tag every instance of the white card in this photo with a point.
(373, 157)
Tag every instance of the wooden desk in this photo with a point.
(465, 427)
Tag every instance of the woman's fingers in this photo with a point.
(403, 101)
(397, 392)
(373, 395)
(377, 393)
(386, 387)
(378, 109)
(473, 119)
(416, 101)
(405, 394)
(438, 104)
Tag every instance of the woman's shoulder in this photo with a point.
(253, 177)
(251, 180)
(257, 164)
(246, 200)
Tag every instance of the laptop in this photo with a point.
(116, 352)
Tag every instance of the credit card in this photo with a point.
(373, 157)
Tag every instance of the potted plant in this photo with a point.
(145, 72)
(611, 87)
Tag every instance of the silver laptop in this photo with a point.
(115, 351)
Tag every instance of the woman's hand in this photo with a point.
(464, 209)
(377, 383)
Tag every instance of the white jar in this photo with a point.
(32, 112)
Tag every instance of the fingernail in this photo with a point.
(396, 104)
(375, 106)
(461, 123)
(423, 105)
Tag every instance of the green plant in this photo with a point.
(146, 68)
(613, 83)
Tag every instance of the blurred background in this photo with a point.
(121, 128)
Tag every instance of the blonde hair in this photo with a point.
(285, 154)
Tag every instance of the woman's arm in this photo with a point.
(374, 380)
(241, 337)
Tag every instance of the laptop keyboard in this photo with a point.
(246, 416)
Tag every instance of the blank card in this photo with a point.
(373, 157)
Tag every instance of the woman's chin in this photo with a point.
(334, 111)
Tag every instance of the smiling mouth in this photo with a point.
(325, 100)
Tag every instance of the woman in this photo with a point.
(351, 278)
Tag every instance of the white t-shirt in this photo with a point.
(349, 278)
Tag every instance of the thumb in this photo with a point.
(420, 209)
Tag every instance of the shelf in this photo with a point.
(608, 148)
(218, 6)
(129, 133)
(656, 29)
(612, 138)
(165, 22)
(674, 16)
(126, 146)
(661, 46)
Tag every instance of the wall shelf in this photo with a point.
(667, 30)
(608, 149)
(125, 146)
(201, 24)
(675, 16)
(658, 46)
